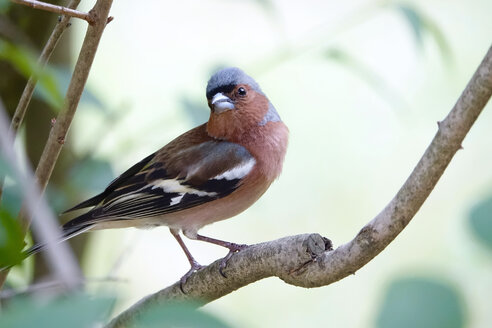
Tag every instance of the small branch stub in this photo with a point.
(56, 9)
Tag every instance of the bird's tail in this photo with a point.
(69, 230)
(67, 233)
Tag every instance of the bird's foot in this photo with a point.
(233, 248)
(195, 266)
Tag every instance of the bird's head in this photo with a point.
(237, 104)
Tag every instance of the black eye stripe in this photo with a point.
(224, 89)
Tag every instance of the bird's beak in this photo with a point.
(221, 103)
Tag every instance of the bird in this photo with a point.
(210, 173)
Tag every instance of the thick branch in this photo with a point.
(59, 131)
(302, 260)
(57, 9)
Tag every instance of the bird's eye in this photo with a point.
(241, 91)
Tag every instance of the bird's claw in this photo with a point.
(194, 268)
(233, 248)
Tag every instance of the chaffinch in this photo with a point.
(210, 173)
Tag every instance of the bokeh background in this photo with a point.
(361, 85)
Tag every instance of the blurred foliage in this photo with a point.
(267, 5)
(481, 222)
(83, 310)
(74, 310)
(11, 196)
(11, 239)
(26, 64)
(416, 302)
(11, 236)
(91, 175)
(177, 315)
(372, 78)
(4, 6)
(421, 302)
(63, 76)
(52, 81)
(422, 25)
(196, 111)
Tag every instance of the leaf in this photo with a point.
(422, 25)
(267, 5)
(26, 64)
(177, 315)
(75, 311)
(421, 302)
(11, 239)
(11, 198)
(415, 21)
(481, 222)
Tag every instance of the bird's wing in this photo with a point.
(121, 180)
(172, 182)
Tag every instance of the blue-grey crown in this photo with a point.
(226, 79)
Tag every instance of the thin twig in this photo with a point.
(25, 99)
(304, 260)
(57, 9)
(59, 131)
(26, 96)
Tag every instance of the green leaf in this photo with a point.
(423, 303)
(481, 222)
(11, 198)
(11, 239)
(177, 315)
(75, 311)
(26, 64)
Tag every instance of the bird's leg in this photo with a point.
(233, 248)
(195, 266)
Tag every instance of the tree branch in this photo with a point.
(25, 99)
(48, 49)
(59, 131)
(57, 9)
(302, 260)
